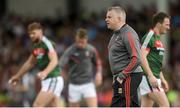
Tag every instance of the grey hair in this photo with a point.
(119, 10)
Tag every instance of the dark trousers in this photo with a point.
(125, 93)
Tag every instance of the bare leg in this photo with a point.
(146, 101)
(55, 102)
(160, 98)
(74, 104)
(91, 102)
(43, 99)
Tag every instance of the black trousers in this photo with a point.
(125, 93)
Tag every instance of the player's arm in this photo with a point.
(144, 62)
(145, 65)
(53, 61)
(98, 63)
(145, 49)
(64, 59)
(162, 76)
(24, 69)
(133, 47)
(26, 66)
(164, 82)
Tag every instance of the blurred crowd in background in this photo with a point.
(15, 47)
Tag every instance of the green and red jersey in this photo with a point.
(152, 42)
(41, 51)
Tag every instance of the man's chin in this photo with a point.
(108, 27)
(35, 41)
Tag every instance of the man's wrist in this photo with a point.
(150, 75)
(18, 75)
(45, 71)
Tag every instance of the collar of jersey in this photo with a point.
(118, 31)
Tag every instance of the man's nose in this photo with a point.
(168, 27)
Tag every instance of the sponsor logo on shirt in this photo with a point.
(39, 52)
(159, 46)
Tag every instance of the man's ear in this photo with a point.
(119, 18)
(158, 24)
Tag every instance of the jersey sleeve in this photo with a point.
(147, 41)
(97, 60)
(49, 45)
(64, 59)
(132, 45)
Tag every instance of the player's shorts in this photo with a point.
(76, 92)
(54, 85)
(146, 88)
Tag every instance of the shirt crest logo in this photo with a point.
(158, 44)
(87, 53)
(39, 52)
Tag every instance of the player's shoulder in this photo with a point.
(71, 48)
(128, 30)
(150, 34)
(91, 47)
(148, 37)
(47, 41)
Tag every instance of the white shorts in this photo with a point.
(146, 88)
(54, 85)
(76, 92)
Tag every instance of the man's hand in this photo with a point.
(165, 85)
(42, 75)
(153, 81)
(98, 79)
(14, 80)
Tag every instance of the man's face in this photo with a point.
(112, 19)
(35, 35)
(165, 26)
(81, 43)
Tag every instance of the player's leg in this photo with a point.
(57, 93)
(158, 95)
(55, 102)
(160, 98)
(145, 88)
(46, 94)
(89, 94)
(91, 101)
(43, 99)
(146, 101)
(74, 104)
(74, 95)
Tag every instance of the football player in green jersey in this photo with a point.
(45, 57)
(154, 85)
